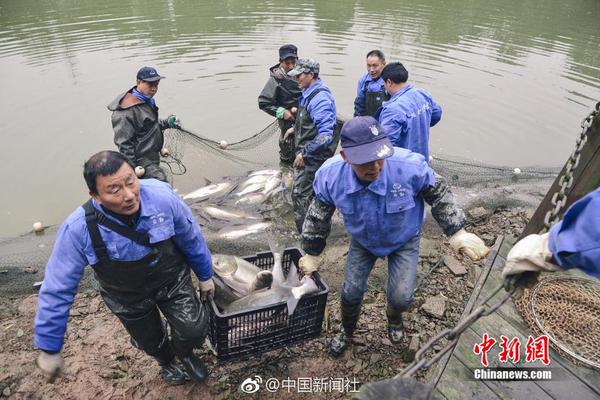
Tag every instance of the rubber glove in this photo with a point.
(207, 289)
(309, 264)
(172, 121)
(50, 364)
(470, 244)
(531, 253)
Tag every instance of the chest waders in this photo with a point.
(135, 291)
(287, 97)
(373, 100)
(305, 131)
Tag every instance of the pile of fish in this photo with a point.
(241, 285)
(240, 206)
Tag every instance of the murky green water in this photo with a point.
(514, 77)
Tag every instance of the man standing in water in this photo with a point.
(380, 191)
(315, 138)
(141, 240)
(279, 97)
(371, 91)
(138, 130)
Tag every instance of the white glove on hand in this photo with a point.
(470, 244)
(309, 264)
(207, 289)
(529, 254)
(50, 364)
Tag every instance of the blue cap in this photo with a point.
(363, 140)
(149, 74)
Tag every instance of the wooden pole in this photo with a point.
(586, 178)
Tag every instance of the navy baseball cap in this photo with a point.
(287, 51)
(363, 140)
(149, 74)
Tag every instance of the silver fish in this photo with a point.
(264, 172)
(251, 199)
(237, 232)
(276, 294)
(210, 190)
(239, 275)
(227, 214)
(272, 183)
(255, 187)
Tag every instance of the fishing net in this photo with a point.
(567, 310)
(467, 173)
(177, 139)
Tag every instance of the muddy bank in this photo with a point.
(101, 363)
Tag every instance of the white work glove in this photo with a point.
(207, 289)
(529, 254)
(140, 171)
(309, 264)
(470, 245)
(50, 364)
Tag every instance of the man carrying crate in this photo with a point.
(380, 191)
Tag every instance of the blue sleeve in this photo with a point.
(322, 112)
(190, 241)
(359, 102)
(393, 125)
(425, 177)
(320, 187)
(575, 241)
(436, 112)
(62, 275)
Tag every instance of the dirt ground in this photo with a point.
(102, 364)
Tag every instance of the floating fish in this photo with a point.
(252, 199)
(210, 190)
(237, 232)
(255, 187)
(264, 172)
(227, 214)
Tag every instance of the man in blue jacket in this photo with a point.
(574, 242)
(371, 93)
(141, 240)
(315, 133)
(380, 191)
(409, 113)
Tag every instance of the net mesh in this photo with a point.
(567, 310)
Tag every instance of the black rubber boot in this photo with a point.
(194, 367)
(173, 374)
(395, 325)
(350, 315)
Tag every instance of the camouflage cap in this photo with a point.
(305, 65)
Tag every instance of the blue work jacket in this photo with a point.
(389, 211)
(163, 215)
(406, 118)
(322, 111)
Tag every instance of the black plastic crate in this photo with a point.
(246, 333)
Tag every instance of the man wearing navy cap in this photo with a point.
(380, 191)
(280, 96)
(138, 130)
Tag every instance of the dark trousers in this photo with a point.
(180, 305)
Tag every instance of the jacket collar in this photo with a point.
(353, 185)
